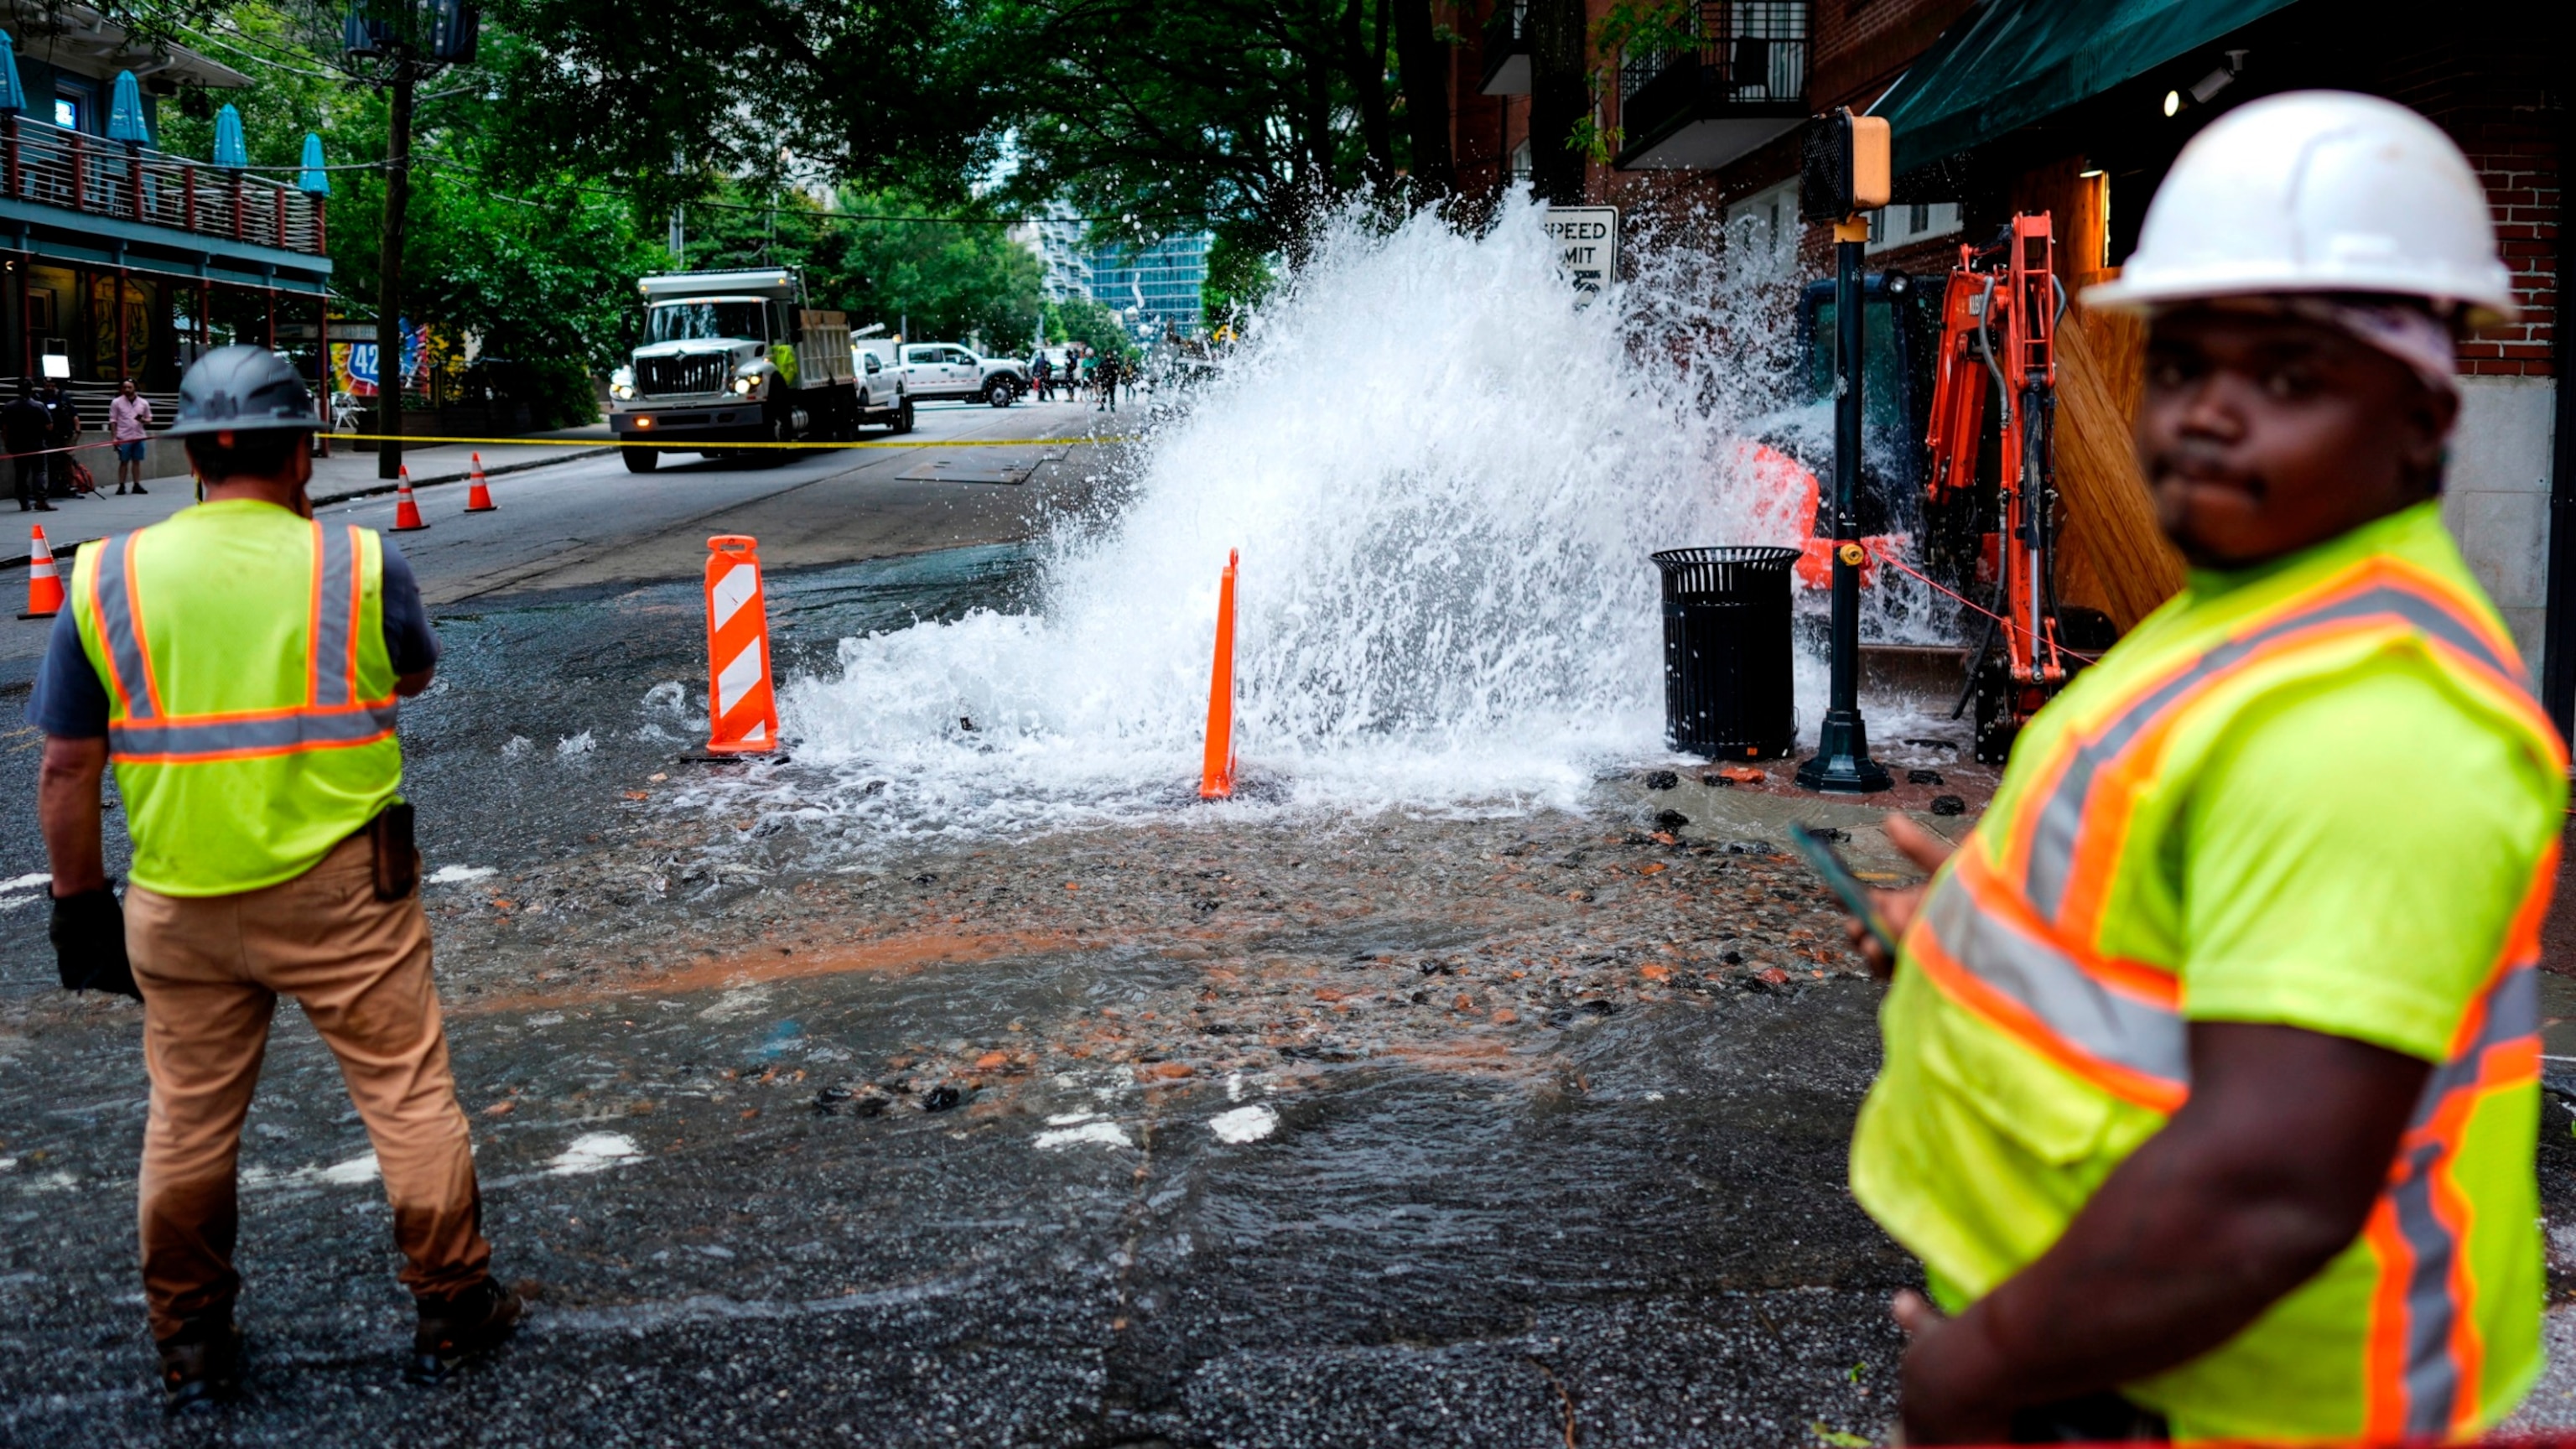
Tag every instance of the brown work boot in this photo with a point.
(201, 1367)
(456, 1328)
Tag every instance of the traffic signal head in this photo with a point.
(1846, 166)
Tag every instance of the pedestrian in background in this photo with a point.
(129, 427)
(240, 665)
(1042, 370)
(2211, 1082)
(1107, 374)
(24, 426)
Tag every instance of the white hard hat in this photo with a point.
(2318, 191)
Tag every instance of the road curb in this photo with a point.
(66, 550)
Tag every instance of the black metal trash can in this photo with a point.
(1728, 691)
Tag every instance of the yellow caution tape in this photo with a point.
(710, 446)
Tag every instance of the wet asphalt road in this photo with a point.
(1390, 1131)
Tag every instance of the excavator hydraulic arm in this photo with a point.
(1999, 318)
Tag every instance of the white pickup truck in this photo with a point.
(936, 370)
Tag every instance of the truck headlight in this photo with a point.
(621, 383)
(746, 385)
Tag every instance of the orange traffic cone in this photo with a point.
(44, 585)
(406, 512)
(742, 711)
(1216, 775)
(478, 499)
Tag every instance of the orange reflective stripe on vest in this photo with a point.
(2013, 935)
(331, 717)
(2066, 867)
(2424, 1350)
(2117, 1026)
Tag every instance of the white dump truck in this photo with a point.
(733, 357)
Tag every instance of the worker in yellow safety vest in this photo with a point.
(2210, 1093)
(240, 664)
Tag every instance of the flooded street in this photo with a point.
(1481, 1075)
(1235, 1126)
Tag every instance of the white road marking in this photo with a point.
(1106, 1134)
(595, 1152)
(1244, 1124)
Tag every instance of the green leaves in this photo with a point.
(953, 279)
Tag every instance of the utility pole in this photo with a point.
(393, 46)
(1846, 172)
(389, 338)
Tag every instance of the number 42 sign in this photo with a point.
(1587, 240)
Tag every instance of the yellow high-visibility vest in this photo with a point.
(2036, 1033)
(250, 690)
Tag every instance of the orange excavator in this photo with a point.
(1960, 395)
(1998, 321)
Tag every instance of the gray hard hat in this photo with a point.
(242, 389)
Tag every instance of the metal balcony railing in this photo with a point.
(1752, 53)
(51, 166)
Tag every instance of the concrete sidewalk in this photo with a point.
(346, 474)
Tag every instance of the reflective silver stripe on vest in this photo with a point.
(2104, 1024)
(325, 723)
(2061, 819)
(2430, 1373)
(274, 734)
(2431, 1376)
(116, 628)
(336, 619)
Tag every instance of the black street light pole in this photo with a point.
(1842, 764)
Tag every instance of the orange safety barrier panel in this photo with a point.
(44, 584)
(742, 709)
(1216, 775)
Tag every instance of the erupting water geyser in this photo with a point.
(1445, 475)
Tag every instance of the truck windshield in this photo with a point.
(698, 321)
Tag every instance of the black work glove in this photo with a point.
(89, 943)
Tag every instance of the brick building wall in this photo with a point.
(1862, 46)
(2497, 100)
(2521, 172)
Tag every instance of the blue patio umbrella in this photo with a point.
(125, 117)
(13, 97)
(314, 180)
(229, 150)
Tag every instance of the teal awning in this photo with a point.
(2012, 62)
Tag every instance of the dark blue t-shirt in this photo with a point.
(71, 701)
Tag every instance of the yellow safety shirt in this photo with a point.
(2313, 793)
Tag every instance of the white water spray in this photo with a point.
(1445, 476)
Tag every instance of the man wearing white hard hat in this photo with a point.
(2211, 1083)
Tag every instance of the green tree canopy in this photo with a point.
(952, 279)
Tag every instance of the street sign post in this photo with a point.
(1587, 239)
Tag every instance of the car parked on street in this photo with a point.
(937, 370)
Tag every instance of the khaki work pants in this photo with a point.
(211, 970)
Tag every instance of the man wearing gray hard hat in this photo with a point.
(240, 664)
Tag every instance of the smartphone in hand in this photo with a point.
(1847, 888)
